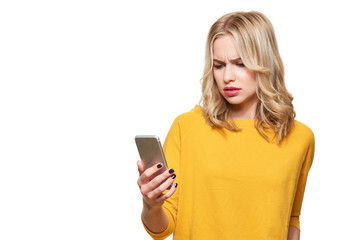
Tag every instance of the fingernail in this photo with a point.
(173, 176)
(171, 171)
(176, 185)
(159, 165)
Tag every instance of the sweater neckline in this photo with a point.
(245, 122)
(239, 122)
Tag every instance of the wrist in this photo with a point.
(151, 208)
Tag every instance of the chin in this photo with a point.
(234, 101)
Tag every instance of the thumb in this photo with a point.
(140, 166)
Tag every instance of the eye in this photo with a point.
(240, 64)
(218, 66)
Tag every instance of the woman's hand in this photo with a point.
(152, 188)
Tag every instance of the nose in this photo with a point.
(229, 75)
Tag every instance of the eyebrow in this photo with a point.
(232, 60)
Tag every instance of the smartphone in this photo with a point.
(151, 151)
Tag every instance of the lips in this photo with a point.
(231, 91)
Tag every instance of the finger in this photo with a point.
(140, 166)
(161, 188)
(161, 178)
(155, 182)
(168, 194)
(146, 175)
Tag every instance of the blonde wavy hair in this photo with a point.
(256, 44)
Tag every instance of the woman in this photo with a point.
(240, 161)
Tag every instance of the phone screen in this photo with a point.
(150, 151)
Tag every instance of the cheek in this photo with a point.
(253, 80)
(251, 85)
(249, 78)
(217, 77)
(251, 75)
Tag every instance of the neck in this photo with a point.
(243, 111)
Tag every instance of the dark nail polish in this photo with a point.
(173, 176)
(159, 165)
(171, 171)
(176, 185)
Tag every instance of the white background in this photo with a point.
(79, 79)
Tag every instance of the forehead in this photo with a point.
(224, 47)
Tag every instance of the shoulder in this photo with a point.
(188, 122)
(194, 115)
(303, 133)
(189, 119)
(303, 129)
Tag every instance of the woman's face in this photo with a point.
(236, 83)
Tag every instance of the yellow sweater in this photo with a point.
(234, 185)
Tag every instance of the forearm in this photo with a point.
(293, 233)
(155, 218)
